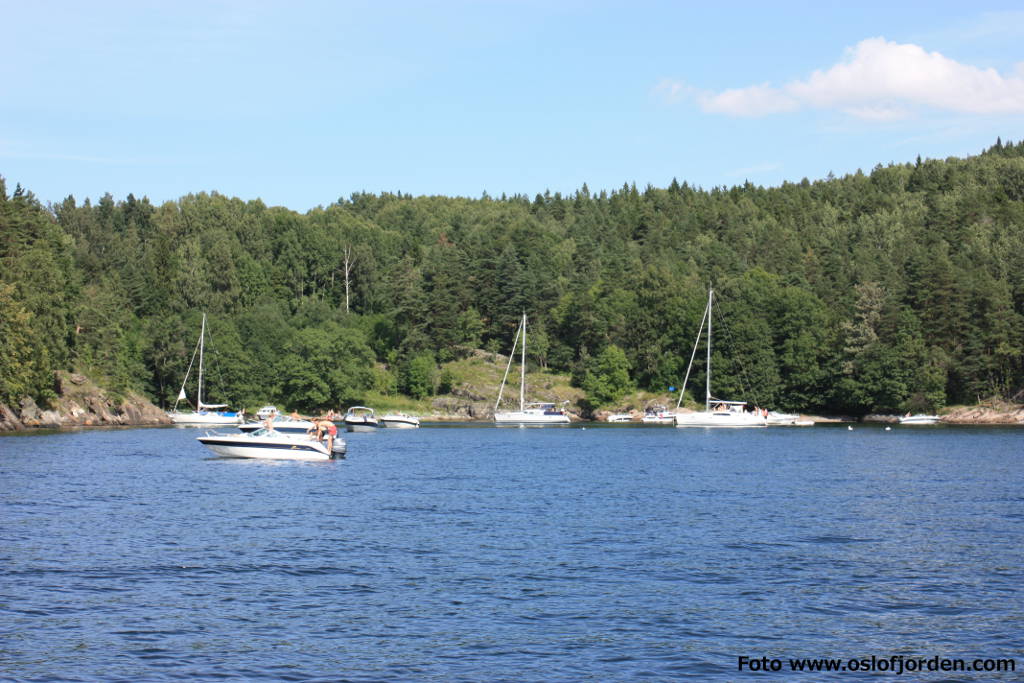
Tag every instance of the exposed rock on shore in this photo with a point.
(80, 403)
(991, 413)
(986, 414)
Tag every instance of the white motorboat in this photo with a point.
(269, 444)
(399, 421)
(658, 415)
(361, 419)
(787, 420)
(528, 413)
(267, 411)
(281, 423)
(919, 419)
(205, 414)
(619, 417)
(716, 413)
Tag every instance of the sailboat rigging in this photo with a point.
(717, 412)
(205, 413)
(528, 413)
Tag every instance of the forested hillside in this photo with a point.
(899, 289)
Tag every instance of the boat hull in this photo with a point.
(363, 426)
(528, 417)
(390, 422)
(288, 448)
(787, 420)
(720, 419)
(205, 419)
(920, 420)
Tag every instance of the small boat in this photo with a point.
(360, 419)
(270, 444)
(716, 413)
(658, 415)
(533, 414)
(619, 417)
(205, 414)
(267, 411)
(787, 420)
(399, 421)
(722, 414)
(529, 413)
(281, 423)
(909, 419)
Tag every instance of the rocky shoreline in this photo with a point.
(986, 414)
(80, 403)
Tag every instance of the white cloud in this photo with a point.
(756, 100)
(881, 80)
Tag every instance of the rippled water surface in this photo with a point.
(478, 553)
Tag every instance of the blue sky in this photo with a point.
(300, 103)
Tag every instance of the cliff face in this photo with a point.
(80, 403)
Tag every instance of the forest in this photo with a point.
(894, 290)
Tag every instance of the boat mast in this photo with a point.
(199, 392)
(511, 357)
(522, 371)
(707, 395)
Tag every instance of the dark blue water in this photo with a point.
(479, 553)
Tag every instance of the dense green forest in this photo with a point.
(899, 289)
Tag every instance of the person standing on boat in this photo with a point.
(325, 427)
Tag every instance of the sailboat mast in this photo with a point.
(707, 395)
(522, 371)
(202, 339)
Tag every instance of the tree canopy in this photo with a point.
(898, 289)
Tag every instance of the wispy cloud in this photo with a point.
(674, 91)
(877, 80)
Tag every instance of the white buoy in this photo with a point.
(849, 428)
(888, 429)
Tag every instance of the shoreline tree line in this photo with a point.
(898, 289)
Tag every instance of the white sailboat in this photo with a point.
(205, 414)
(717, 412)
(528, 413)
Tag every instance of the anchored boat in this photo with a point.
(528, 413)
(270, 444)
